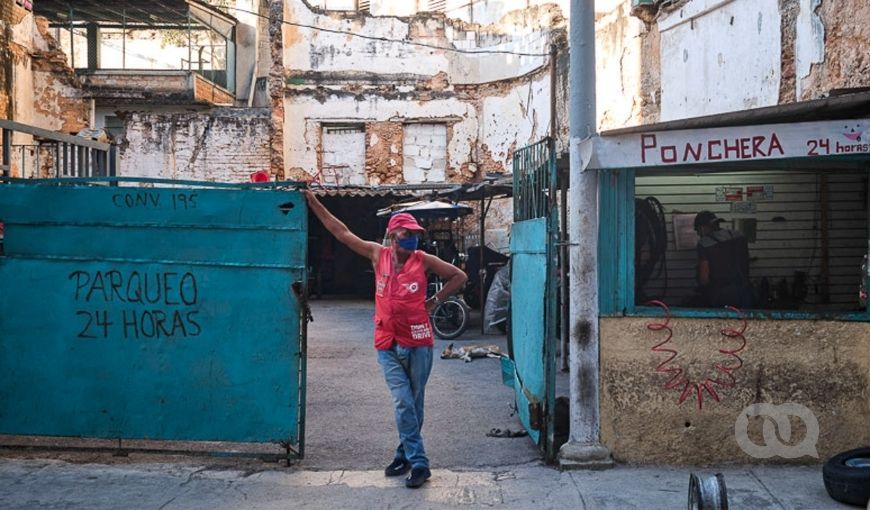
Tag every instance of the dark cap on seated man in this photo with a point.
(707, 219)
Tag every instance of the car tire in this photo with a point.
(847, 477)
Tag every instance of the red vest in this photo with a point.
(400, 303)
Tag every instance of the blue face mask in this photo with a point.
(408, 243)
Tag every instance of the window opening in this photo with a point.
(801, 237)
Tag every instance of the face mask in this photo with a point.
(408, 243)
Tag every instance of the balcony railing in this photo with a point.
(54, 154)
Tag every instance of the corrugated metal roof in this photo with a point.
(392, 191)
(459, 192)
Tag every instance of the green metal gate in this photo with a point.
(533, 290)
(153, 312)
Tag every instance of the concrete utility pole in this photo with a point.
(584, 448)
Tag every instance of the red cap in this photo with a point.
(403, 220)
(260, 176)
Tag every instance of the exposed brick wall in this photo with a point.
(847, 39)
(789, 10)
(276, 87)
(6, 73)
(10, 12)
(384, 152)
(204, 90)
(223, 144)
(57, 101)
(13, 53)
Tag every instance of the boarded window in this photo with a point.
(343, 158)
(425, 153)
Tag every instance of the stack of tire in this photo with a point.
(847, 477)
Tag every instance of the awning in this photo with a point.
(685, 144)
(428, 209)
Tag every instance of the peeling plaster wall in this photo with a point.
(318, 51)
(337, 78)
(628, 86)
(738, 54)
(518, 116)
(832, 47)
(719, 60)
(492, 12)
(224, 144)
(822, 365)
(809, 41)
(302, 136)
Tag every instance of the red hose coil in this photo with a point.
(679, 379)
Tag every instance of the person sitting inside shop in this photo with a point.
(723, 264)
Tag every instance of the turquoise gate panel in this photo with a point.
(152, 313)
(528, 313)
(533, 291)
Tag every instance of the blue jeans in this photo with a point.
(406, 370)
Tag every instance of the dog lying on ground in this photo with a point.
(467, 352)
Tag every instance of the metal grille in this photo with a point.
(363, 5)
(437, 5)
(343, 129)
(534, 168)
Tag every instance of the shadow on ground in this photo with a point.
(350, 424)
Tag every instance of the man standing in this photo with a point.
(403, 332)
(723, 264)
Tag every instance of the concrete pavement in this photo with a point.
(41, 483)
(350, 437)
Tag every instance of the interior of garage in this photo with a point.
(806, 231)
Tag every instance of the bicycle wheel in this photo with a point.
(449, 319)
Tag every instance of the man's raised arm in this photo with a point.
(367, 249)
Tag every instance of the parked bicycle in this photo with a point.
(449, 317)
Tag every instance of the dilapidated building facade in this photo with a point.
(353, 94)
(412, 92)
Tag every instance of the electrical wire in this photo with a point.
(396, 41)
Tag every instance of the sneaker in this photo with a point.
(398, 468)
(417, 477)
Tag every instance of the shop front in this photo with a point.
(779, 370)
